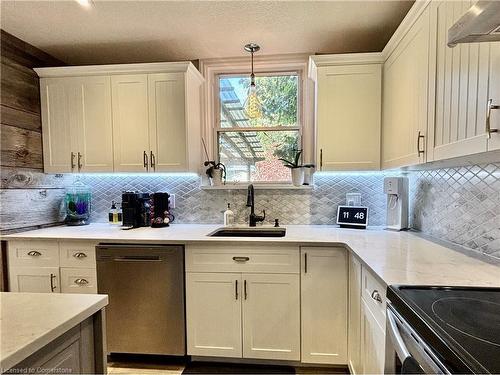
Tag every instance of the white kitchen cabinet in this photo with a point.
(130, 122)
(213, 314)
(122, 118)
(462, 86)
(373, 342)
(354, 335)
(324, 287)
(167, 121)
(348, 111)
(76, 124)
(34, 279)
(271, 316)
(78, 280)
(494, 97)
(405, 100)
(59, 138)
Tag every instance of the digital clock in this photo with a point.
(352, 216)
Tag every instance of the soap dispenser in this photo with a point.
(228, 216)
(113, 214)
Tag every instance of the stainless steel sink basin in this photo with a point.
(249, 232)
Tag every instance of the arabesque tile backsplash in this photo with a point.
(459, 205)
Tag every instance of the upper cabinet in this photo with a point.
(467, 77)
(121, 118)
(348, 111)
(406, 97)
(76, 124)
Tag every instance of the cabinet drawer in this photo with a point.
(78, 280)
(33, 253)
(242, 258)
(373, 293)
(77, 254)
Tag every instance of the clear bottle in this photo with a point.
(120, 215)
(228, 216)
(113, 214)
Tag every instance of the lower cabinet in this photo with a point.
(373, 342)
(213, 314)
(324, 285)
(34, 279)
(354, 342)
(243, 315)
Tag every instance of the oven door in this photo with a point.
(406, 352)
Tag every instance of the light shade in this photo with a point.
(253, 108)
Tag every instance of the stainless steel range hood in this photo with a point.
(481, 23)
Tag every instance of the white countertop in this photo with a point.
(29, 321)
(395, 257)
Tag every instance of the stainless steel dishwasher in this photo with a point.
(145, 285)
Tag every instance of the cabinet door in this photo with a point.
(373, 342)
(95, 129)
(324, 305)
(271, 316)
(348, 117)
(59, 137)
(405, 97)
(494, 95)
(34, 279)
(78, 280)
(461, 88)
(213, 314)
(354, 335)
(167, 122)
(130, 123)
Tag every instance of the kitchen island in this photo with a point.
(49, 332)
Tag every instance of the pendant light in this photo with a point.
(253, 108)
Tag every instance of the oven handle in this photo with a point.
(397, 340)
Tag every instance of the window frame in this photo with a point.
(298, 128)
(298, 64)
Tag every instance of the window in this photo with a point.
(251, 148)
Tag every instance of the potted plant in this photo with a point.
(295, 168)
(216, 172)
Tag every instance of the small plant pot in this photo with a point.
(216, 177)
(297, 176)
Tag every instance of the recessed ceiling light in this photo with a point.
(85, 3)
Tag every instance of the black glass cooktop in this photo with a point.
(462, 325)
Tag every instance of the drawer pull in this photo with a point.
(376, 296)
(34, 253)
(241, 259)
(81, 282)
(80, 255)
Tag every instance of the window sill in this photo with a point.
(244, 186)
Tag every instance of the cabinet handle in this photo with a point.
(145, 159)
(152, 160)
(52, 285)
(245, 289)
(490, 106)
(81, 282)
(34, 253)
(236, 289)
(72, 161)
(320, 159)
(80, 255)
(419, 137)
(79, 162)
(376, 296)
(305, 262)
(241, 259)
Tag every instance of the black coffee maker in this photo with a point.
(136, 210)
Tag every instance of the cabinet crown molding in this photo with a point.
(317, 61)
(112, 69)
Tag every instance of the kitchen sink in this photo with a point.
(248, 232)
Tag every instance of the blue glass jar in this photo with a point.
(77, 200)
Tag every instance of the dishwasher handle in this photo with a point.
(137, 258)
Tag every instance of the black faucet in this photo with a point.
(250, 203)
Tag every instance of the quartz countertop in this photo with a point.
(29, 321)
(394, 257)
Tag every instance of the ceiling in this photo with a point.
(148, 31)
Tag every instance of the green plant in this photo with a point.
(292, 164)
